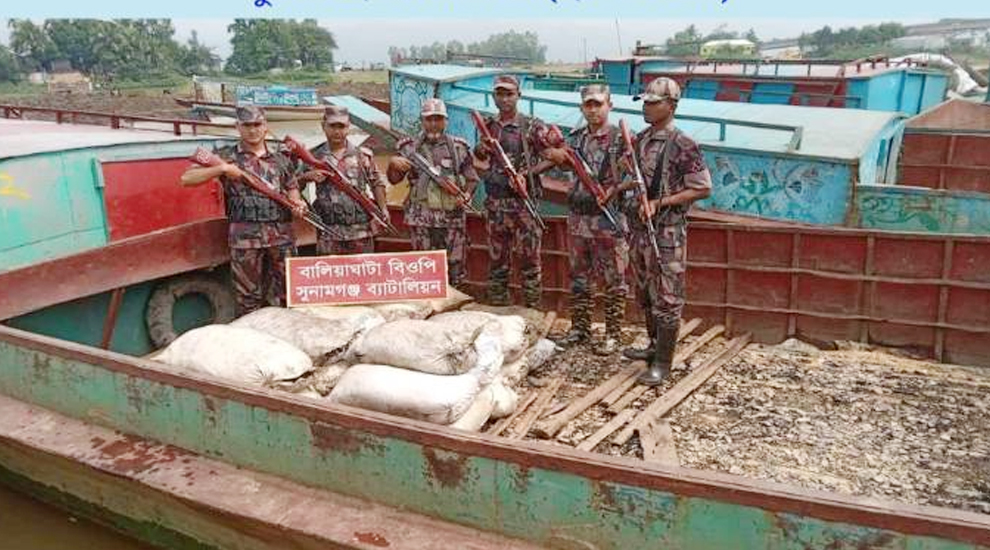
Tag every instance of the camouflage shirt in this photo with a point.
(602, 151)
(255, 220)
(428, 205)
(333, 205)
(520, 138)
(683, 168)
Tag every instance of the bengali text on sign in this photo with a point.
(366, 278)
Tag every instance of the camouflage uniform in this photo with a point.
(660, 281)
(353, 226)
(510, 225)
(260, 230)
(434, 218)
(596, 247)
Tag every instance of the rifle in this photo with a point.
(555, 138)
(206, 158)
(516, 180)
(641, 191)
(424, 165)
(340, 181)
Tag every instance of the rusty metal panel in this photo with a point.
(759, 248)
(843, 254)
(144, 195)
(707, 244)
(827, 295)
(967, 306)
(913, 257)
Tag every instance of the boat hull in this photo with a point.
(552, 497)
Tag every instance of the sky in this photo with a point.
(569, 40)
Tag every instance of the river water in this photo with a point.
(27, 524)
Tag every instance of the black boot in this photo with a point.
(666, 341)
(645, 354)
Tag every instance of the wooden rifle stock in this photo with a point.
(340, 181)
(516, 180)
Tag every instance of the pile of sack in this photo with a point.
(448, 362)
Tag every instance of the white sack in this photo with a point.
(431, 397)
(534, 358)
(362, 318)
(396, 311)
(478, 413)
(418, 345)
(515, 333)
(454, 300)
(320, 381)
(505, 399)
(321, 339)
(236, 354)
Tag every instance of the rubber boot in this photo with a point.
(645, 354)
(659, 368)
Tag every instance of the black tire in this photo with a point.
(158, 316)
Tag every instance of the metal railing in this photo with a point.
(113, 120)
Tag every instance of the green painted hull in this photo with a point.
(553, 497)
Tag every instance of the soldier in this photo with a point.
(596, 246)
(260, 230)
(435, 218)
(354, 229)
(676, 176)
(510, 225)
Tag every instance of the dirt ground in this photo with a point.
(160, 102)
(857, 421)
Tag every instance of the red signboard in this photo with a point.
(366, 278)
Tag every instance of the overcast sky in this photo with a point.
(367, 40)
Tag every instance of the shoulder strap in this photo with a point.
(457, 161)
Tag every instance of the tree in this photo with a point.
(195, 57)
(685, 42)
(522, 45)
(31, 44)
(10, 70)
(263, 44)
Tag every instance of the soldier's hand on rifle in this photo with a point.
(556, 155)
(379, 227)
(646, 211)
(232, 171)
(299, 207)
(483, 149)
(313, 175)
(610, 193)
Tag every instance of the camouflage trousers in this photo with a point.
(451, 239)
(326, 246)
(659, 282)
(514, 230)
(259, 276)
(606, 256)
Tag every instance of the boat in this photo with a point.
(190, 461)
(814, 165)
(876, 83)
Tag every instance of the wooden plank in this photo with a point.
(684, 388)
(680, 357)
(627, 399)
(657, 440)
(504, 423)
(554, 424)
(537, 410)
(708, 336)
(688, 328)
(607, 430)
(617, 394)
